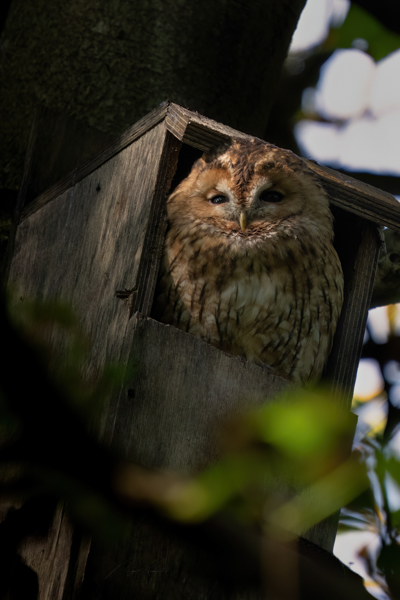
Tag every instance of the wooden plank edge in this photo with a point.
(385, 216)
(148, 269)
(358, 197)
(198, 131)
(351, 183)
(145, 124)
(340, 378)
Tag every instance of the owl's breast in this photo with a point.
(282, 316)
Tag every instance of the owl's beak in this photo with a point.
(242, 220)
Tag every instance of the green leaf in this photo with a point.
(323, 498)
(212, 489)
(361, 24)
(395, 518)
(393, 467)
(364, 504)
(309, 423)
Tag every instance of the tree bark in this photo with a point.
(110, 63)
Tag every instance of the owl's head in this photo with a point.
(250, 191)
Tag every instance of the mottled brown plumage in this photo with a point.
(249, 264)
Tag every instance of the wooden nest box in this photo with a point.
(95, 239)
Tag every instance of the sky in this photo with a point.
(361, 100)
(360, 96)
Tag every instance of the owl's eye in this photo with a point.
(219, 199)
(271, 196)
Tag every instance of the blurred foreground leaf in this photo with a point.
(60, 459)
(286, 464)
(53, 329)
(49, 401)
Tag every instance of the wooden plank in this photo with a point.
(172, 414)
(324, 533)
(97, 238)
(198, 131)
(77, 174)
(48, 557)
(37, 537)
(103, 234)
(359, 274)
(155, 228)
(358, 197)
(168, 416)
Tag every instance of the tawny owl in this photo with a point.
(249, 264)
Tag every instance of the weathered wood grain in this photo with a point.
(358, 197)
(103, 234)
(154, 225)
(77, 174)
(168, 416)
(97, 238)
(359, 271)
(49, 557)
(196, 130)
(181, 390)
(37, 536)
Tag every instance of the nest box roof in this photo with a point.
(200, 132)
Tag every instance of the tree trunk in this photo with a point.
(110, 63)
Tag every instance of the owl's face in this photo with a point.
(251, 191)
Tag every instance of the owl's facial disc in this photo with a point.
(243, 209)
